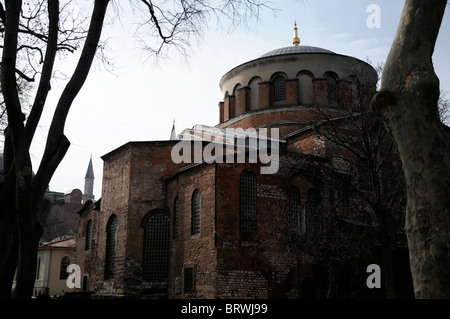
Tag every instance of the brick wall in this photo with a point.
(264, 94)
(292, 91)
(196, 251)
(243, 100)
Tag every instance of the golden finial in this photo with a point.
(296, 40)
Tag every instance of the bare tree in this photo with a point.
(408, 105)
(39, 29)
(334, 243)
(365, 161)
(444, 108)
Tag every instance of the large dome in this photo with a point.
(301, 49)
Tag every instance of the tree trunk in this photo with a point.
(9, 248)
(20, 195)
(408, 105)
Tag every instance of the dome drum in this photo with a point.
(293, 76)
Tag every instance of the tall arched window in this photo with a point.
(293, 209)
(279, 89)
(88, 243)
(156, 248)
(65, 262)
(175, 217)
(110, 253)
(305, 87)
(196, 212)
(331, 89)
(235, 111)
(311, 213)
(247, 202)
(254, 92)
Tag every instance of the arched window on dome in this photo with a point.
(331, 88)
(305, 87)
(356, 98)
(254, 92)
(279, 89)
(236, 102)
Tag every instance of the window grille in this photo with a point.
(65, 262)
(88, 244)
(196, 212)
(175, 218)
(156, 248)
(247, 202)
(110, 254)
(293, 209)
(279, 89)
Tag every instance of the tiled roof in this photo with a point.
(66, 242)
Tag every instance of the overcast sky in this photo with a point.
(138, 100)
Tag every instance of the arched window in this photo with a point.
(247, 202)
(65, 262)
(311, 218)
(279, 89)
(254, 92)
(293, 208)
(331, 89)
(156, 248)
(235, 111)
(356, 98)
(175, 217)
(88, 243)
(110, 253)
(196, 212)
(305, 87)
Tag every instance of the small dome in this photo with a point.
(301, 49)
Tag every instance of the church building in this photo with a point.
(231, 211)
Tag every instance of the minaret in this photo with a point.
(89, 183)
(296, 40)
(173, 135)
